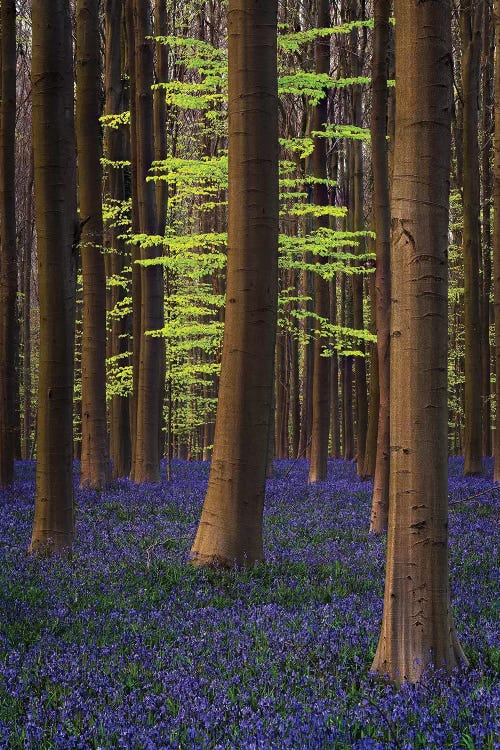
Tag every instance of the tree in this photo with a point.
(8, 254)
(230, 529)
(321, 365)
(382, 221)
(117, 152)
(94, 452)
(57, 238)
(471, 27)
(496, 236)
(417, 624)
(146, 458)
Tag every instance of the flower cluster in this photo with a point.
(127, 646)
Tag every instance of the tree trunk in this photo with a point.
(334, 382)
(496, 238)
(8, 250)
(487, 128)
(94, 453)
(146, 459)
(470, 25)
(117, 151)
(373, 412)
(321, 365)
(230, 530)
(55, 210)
(417, 623)
(382, 221)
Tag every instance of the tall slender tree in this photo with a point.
(382, 221)
(321, 365)
(417, 623)
(146, 458)
(8, 254)
(471, 28)
(118, 152)
(57, 239)
(94, 451)
(496, 236)
(230, 529)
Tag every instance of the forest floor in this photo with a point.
(126, 646)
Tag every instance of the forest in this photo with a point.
(249, 337)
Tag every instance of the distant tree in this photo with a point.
(117, 146)
(496, 235)
(230, 530)
(321, 370)
(471, 12)
(57, 239)
(8, 253)
(94, 450)
(417, 623)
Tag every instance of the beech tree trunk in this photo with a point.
(470, 26)
(496, 238)
(321, 365)
(146, 459)
(230, 530)
(117, 150)
(8, 251)
(417, 624)
(94, 451)
(55, 211)
(487, 128)
(382, 221)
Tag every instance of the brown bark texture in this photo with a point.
(382, 222)
(230, 530)
(321, 365)
(94, 449)
(417, 625)
(117, 149)
(55, 211)
(496, 236)
(146, 459)
(8, 252)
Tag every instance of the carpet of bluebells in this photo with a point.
(126, 646)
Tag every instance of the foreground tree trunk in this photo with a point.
(94, 451)
(8, 255)
(321, 365)
(382, 221)
(230, 530)
(55, 211)
(417, 624)
(496, 238)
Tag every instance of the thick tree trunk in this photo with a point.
(321, 365)
(146, 459)
(417, 624)
(94, 452)
(8, 251)
(470, 24)
(382, 221)
(55, 210)
(230, 530)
